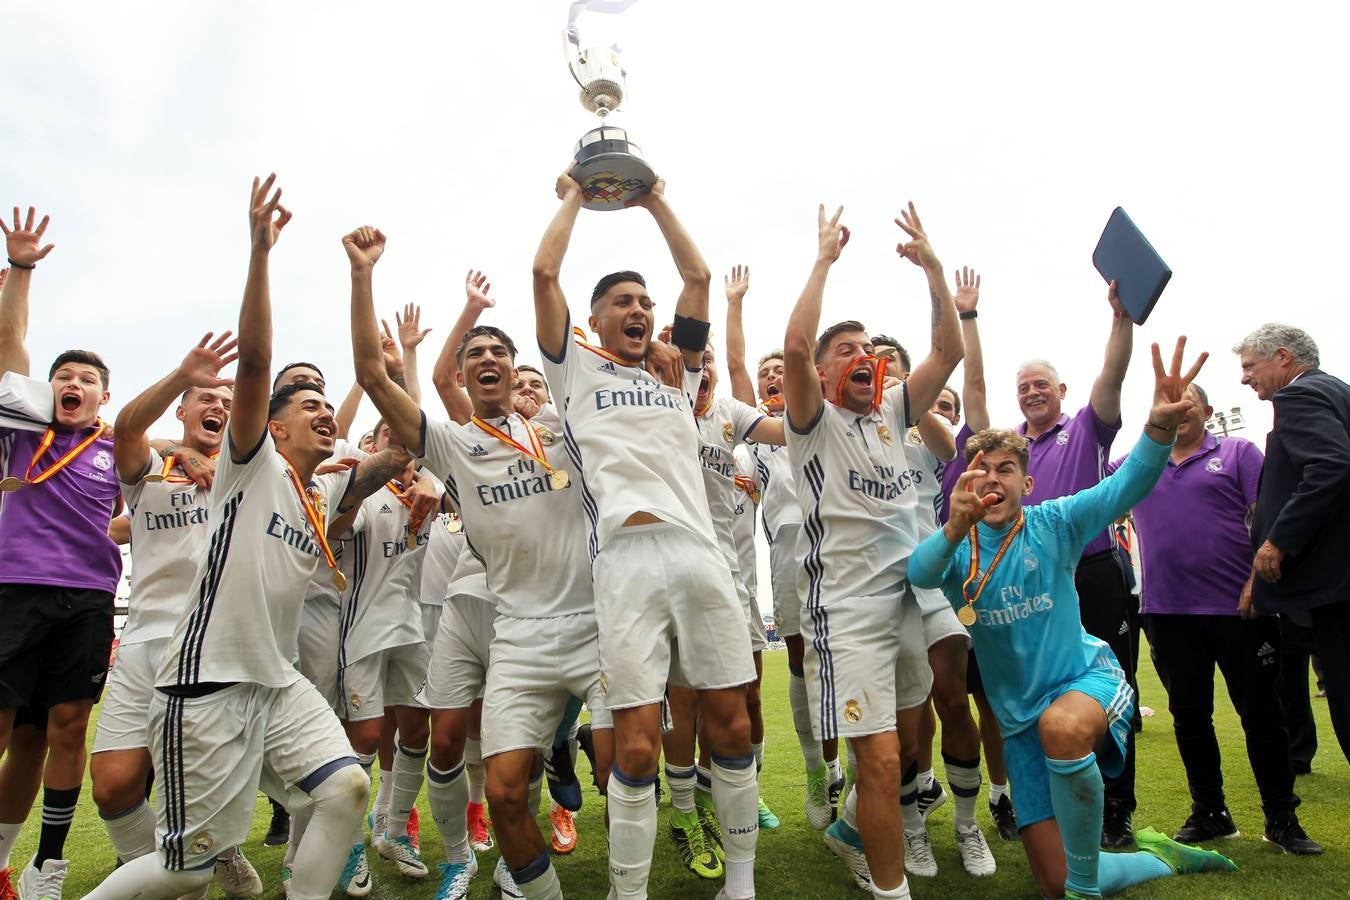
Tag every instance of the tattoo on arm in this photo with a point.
(373, 472)
(936, 320)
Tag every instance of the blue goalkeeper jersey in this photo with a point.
(1029, 637)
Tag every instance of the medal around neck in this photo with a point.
(609, 163)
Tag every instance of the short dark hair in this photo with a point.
(956, 398)
(84, 358)
(604, 284)
(484, 331)
(297, 365)
(829, 334)
(281, 398)
(188, 393)
(526, 367)
(879, 340)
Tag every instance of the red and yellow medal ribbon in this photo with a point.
(46, 443)
(316, 522)
(601, 351)
(878, 365)
(414, 524)
(773, 405)
(534, 452)
(969, 617)
(167, 478)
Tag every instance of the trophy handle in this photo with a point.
(571, 51)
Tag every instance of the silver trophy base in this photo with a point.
(610, 168)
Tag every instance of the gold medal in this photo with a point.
(966, 615)
(339, 580)
(454, 525)
(558, 478)
(315, 506)
(11, 484)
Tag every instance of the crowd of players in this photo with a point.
(444, 597)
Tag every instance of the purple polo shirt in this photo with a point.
(56, 533)
(1195, 547)
(1070, 457)
(952, 472)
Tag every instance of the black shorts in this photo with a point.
(54, 644)
(974, 683)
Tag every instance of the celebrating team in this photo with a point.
(583, 533)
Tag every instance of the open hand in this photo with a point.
(476, 287)
(23, 243)
(410, 331)
(967, 290)
(266, 217)
(201, 367)
(1171, 404)
(665, 363)
(1269, 559)
(737, 283)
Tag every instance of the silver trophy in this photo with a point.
(610, 167)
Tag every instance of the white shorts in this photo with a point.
(865, 659)
(659, 585)
(390, 677)
(124, 714)
(785, 567)
(537, 665)
(457, 671)
(320, 627)
(939, 620)
(211, 755)
(431, 623)
(759, 638)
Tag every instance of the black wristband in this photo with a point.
(690, 334)
(968, 314)
(19, 265)
(1152, 424)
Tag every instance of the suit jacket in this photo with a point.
(1302, 504)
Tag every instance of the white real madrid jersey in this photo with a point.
(438, 565)
(321, 586)
(858, 498)
(778, 493)
(721, 429)
(928, 490)
(243, 610)
(743, 521)
(633, 440)
(527, 530)
(168, 530)
(379, 609)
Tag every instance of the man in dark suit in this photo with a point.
(1300, 530)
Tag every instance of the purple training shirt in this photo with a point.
(1070, 457)
(951, 472)
(56, 533)
(1196, 550)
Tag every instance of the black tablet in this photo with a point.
(1125, 256)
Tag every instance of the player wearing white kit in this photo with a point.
(167, 513)
(865, 660)
(511, 480)
(783, 532)
(230, 710)
(659, 575)
(929, 446)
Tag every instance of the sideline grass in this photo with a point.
(794, 863)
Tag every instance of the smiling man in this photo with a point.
(60, 569)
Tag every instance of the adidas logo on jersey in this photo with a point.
(608, 368)
(478, 450)
(384, 508)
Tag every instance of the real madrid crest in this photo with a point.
(319, 500)
(546, 435)
(202, 843)
(728, 433)
(852, 711)
(913, 436)
(885, 434)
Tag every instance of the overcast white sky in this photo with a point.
(1016, 128)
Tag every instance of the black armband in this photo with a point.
(690, 334)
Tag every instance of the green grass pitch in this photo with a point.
(794, 863)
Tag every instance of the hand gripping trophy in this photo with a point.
(609, 163)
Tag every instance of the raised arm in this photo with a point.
(550, 306)
(742, 385)
(253, 376)
(936, 436)
(932, 374)
(445, 376)
(801, 381)
(199, 369)
(372, 473)
(694, 272)
(346, 413)
(974, 397)
(1119, 346)
(410, 334)
(364, 248)
(23, 246)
